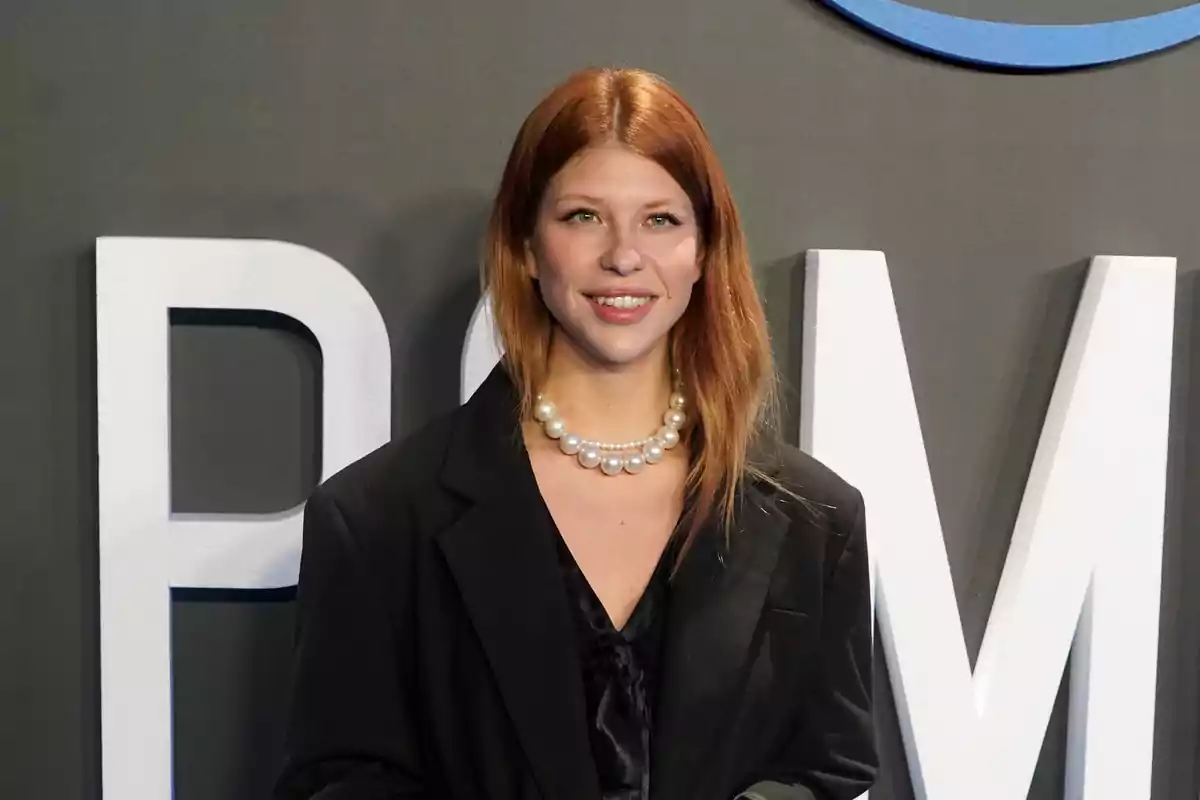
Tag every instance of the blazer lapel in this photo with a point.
(716, 602)
(502, 555)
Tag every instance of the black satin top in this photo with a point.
(620, 677)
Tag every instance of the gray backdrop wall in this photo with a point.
(375, 131)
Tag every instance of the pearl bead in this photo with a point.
(544, 411)
(554, 427)
(570, 444)
(589, 457)
(653, 452)
(678, 401)
(669, 436)
(674, 418)
(612, 464)
(634, 463)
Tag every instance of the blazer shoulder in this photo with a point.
(391, 476)
(814, 492)
(810, 479)
(827, 524)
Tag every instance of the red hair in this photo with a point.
(720, 345)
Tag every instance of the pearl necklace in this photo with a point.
(612, 459)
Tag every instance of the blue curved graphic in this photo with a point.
(1023, 46)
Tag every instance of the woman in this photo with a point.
(602, 577)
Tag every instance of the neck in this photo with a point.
(608, 404)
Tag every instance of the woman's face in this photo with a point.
(615, 254)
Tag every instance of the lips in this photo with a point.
(621, 309)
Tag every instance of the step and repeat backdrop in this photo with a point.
(238, 248)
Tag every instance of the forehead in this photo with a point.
(615, 174)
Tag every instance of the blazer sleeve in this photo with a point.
(350, 735)
(833, 755)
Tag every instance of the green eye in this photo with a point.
(660, 220)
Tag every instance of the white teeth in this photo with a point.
(623, 301)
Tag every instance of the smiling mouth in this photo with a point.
(621, 301)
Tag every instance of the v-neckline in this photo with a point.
(637, 620)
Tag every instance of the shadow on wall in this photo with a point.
(87, 523)
(781, 284)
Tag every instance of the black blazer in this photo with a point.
(435, 655)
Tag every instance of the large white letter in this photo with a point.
(144, 548)
(1086, 552)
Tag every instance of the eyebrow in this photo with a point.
(573, 196)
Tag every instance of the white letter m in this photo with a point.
(1084, 566)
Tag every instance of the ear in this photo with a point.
(531, 261)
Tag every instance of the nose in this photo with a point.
(622, 257)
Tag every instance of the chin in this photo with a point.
(621, 354)
(615, 347)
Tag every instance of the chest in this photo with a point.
(615, 527)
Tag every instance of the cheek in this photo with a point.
(556, 271)
(563, 257)
(680, 268)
